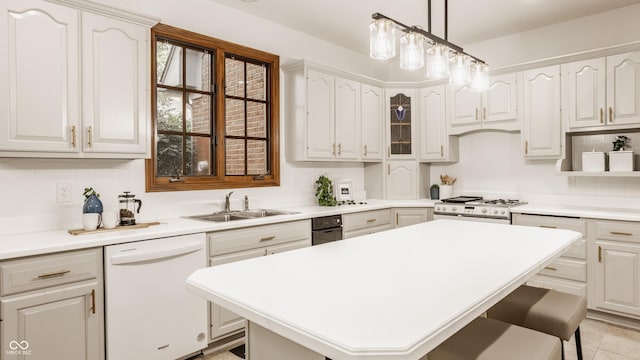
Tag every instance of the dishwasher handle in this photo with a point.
(154, 254)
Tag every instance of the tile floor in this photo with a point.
(600, 341)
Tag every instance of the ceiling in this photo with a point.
(344, 22)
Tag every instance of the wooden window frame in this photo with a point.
(220, 180)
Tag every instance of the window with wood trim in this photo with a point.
(215, 114)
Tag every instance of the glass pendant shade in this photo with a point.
(460, 70)
(411, 51)
(382, 39)
(438, 61)
(480, 77)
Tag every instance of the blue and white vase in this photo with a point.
(92, 205)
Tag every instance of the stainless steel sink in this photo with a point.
(240, 215)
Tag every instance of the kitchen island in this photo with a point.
(390, 295)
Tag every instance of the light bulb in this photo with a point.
(411, 51)
(438, 61)
(480, 77)
(382, 39)
(460, 71)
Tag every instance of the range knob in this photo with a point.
(502, 212)
(484, 210)
(454, 209)
(495, 211)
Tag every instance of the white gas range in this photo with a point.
(475, 208)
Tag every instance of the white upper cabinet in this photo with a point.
(73, 91)
(541, 113)
(435, 144)
(402, 180)
(115, 86)
(372, 124)
(347, 128)
(496, 108)
(327, 114)
(39, 95)
(584, 84)
(320, 115)
(623, 89)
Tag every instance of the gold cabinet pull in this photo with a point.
(334, 149)
(93, 301)
(548, 226)
(397, 218)
(484, 113)
(600, 254)
(551, 268)
(441, 151)
(365, 150)
(610, 114)
(526, 147)
(267, 238)
(340, 149)
(388, 169)
(73, 136)
(388, 151)
(620, 233)
(372, 220)
(476, 113)
(89, 136)
(53, 274)
(601, 115)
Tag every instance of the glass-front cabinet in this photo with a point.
(400, 125)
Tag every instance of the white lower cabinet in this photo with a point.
(246, 243)
(617, 267)
(410, 216)
(52, 307)
(569, 272)
(365, 222)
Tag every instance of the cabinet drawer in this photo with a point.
(44, 271)
(578, 250)
(567, 286)
(618, 231)
(366, 219)
(579, 225)
(367, 231)
(567, 269)
(258, 236)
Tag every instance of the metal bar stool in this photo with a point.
(487, 339)
(548, 311)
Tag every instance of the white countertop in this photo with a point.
(36, 243)
(592, 212)
(390, 295)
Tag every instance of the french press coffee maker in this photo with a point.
(128, 209)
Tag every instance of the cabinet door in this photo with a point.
(618, 277)
(465, 109)
(584, 84)
(402, 180)
(115, 82)
(500, 104)
(433, 132)
(541, 113)
(347, 118)
(623, 88)
(405, 217)
(222, 320)
(320, 116)
(400, 108)
(371, 122)
(39, 77)
(57, 323)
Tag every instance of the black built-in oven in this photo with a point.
(326, 229)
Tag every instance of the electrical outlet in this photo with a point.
(63, 193)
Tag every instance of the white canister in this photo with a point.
(620, 161)
(91, 221)
(593, 161)
(446, 191)
(109, 219)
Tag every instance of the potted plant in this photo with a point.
(621, 159)
(434, 192)
(324, 191)
(446, 186)
(91, 202)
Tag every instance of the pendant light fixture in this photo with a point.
(444, 58)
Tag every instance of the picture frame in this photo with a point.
(343, 190)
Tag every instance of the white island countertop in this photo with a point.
(390, 295)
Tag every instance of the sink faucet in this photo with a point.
(245, 206)
(227, 203)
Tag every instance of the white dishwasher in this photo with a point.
(149, 312)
